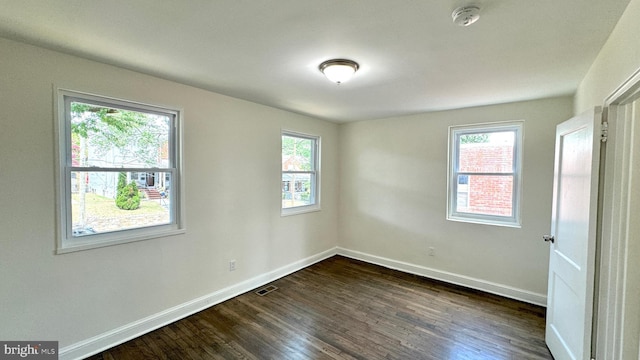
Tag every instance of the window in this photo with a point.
(484, 173)
(300, 168)
(118, 174)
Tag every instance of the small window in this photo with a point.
(484, 173)
(118, 171)
(300, 168)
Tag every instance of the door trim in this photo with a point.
(614, 236)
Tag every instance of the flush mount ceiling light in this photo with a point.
(339, 70)
(466, 15)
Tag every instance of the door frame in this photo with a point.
(615, 337)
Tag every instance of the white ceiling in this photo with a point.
(413, 58)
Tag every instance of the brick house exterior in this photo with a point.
(486, 194)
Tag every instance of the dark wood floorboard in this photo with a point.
(347, 309)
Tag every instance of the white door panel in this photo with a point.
(573, 227)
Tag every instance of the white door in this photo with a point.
(573, 237)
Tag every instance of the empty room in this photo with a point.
(320, 180)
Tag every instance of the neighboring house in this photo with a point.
(105, 183)
(301, 186)
(484, 194)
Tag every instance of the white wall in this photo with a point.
(393, 199)
(232, 181)
(618, 59)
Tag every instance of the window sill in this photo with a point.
(114, 239)
(509, 224)
(299, 210)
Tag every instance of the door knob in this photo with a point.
(549, 238)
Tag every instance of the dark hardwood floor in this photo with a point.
(346, 309)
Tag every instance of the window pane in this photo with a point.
(297, 154)
(462, 199)
(105, 201)
(296, 190)
(109, 137)
(486, 152)
(483, 194)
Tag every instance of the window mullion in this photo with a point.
(110, 169)
(298, 172)
(487, 174)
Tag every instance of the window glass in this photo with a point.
(299, 172)
(486, 194)
(107, 206)
(487, 152)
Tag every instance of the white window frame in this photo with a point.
(452, 175)
(65, 241)
(315, 176)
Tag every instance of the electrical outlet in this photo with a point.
(232, 265)
(431, 251)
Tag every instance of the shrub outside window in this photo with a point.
(300, 173)
(119, 173)
(485, 173)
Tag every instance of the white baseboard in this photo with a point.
(478, 284)
(132, 330)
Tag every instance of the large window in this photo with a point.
(300, 178)
(484, 173)
(119, 173)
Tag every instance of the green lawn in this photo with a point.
(105, 208)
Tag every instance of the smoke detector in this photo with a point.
(466, 15)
